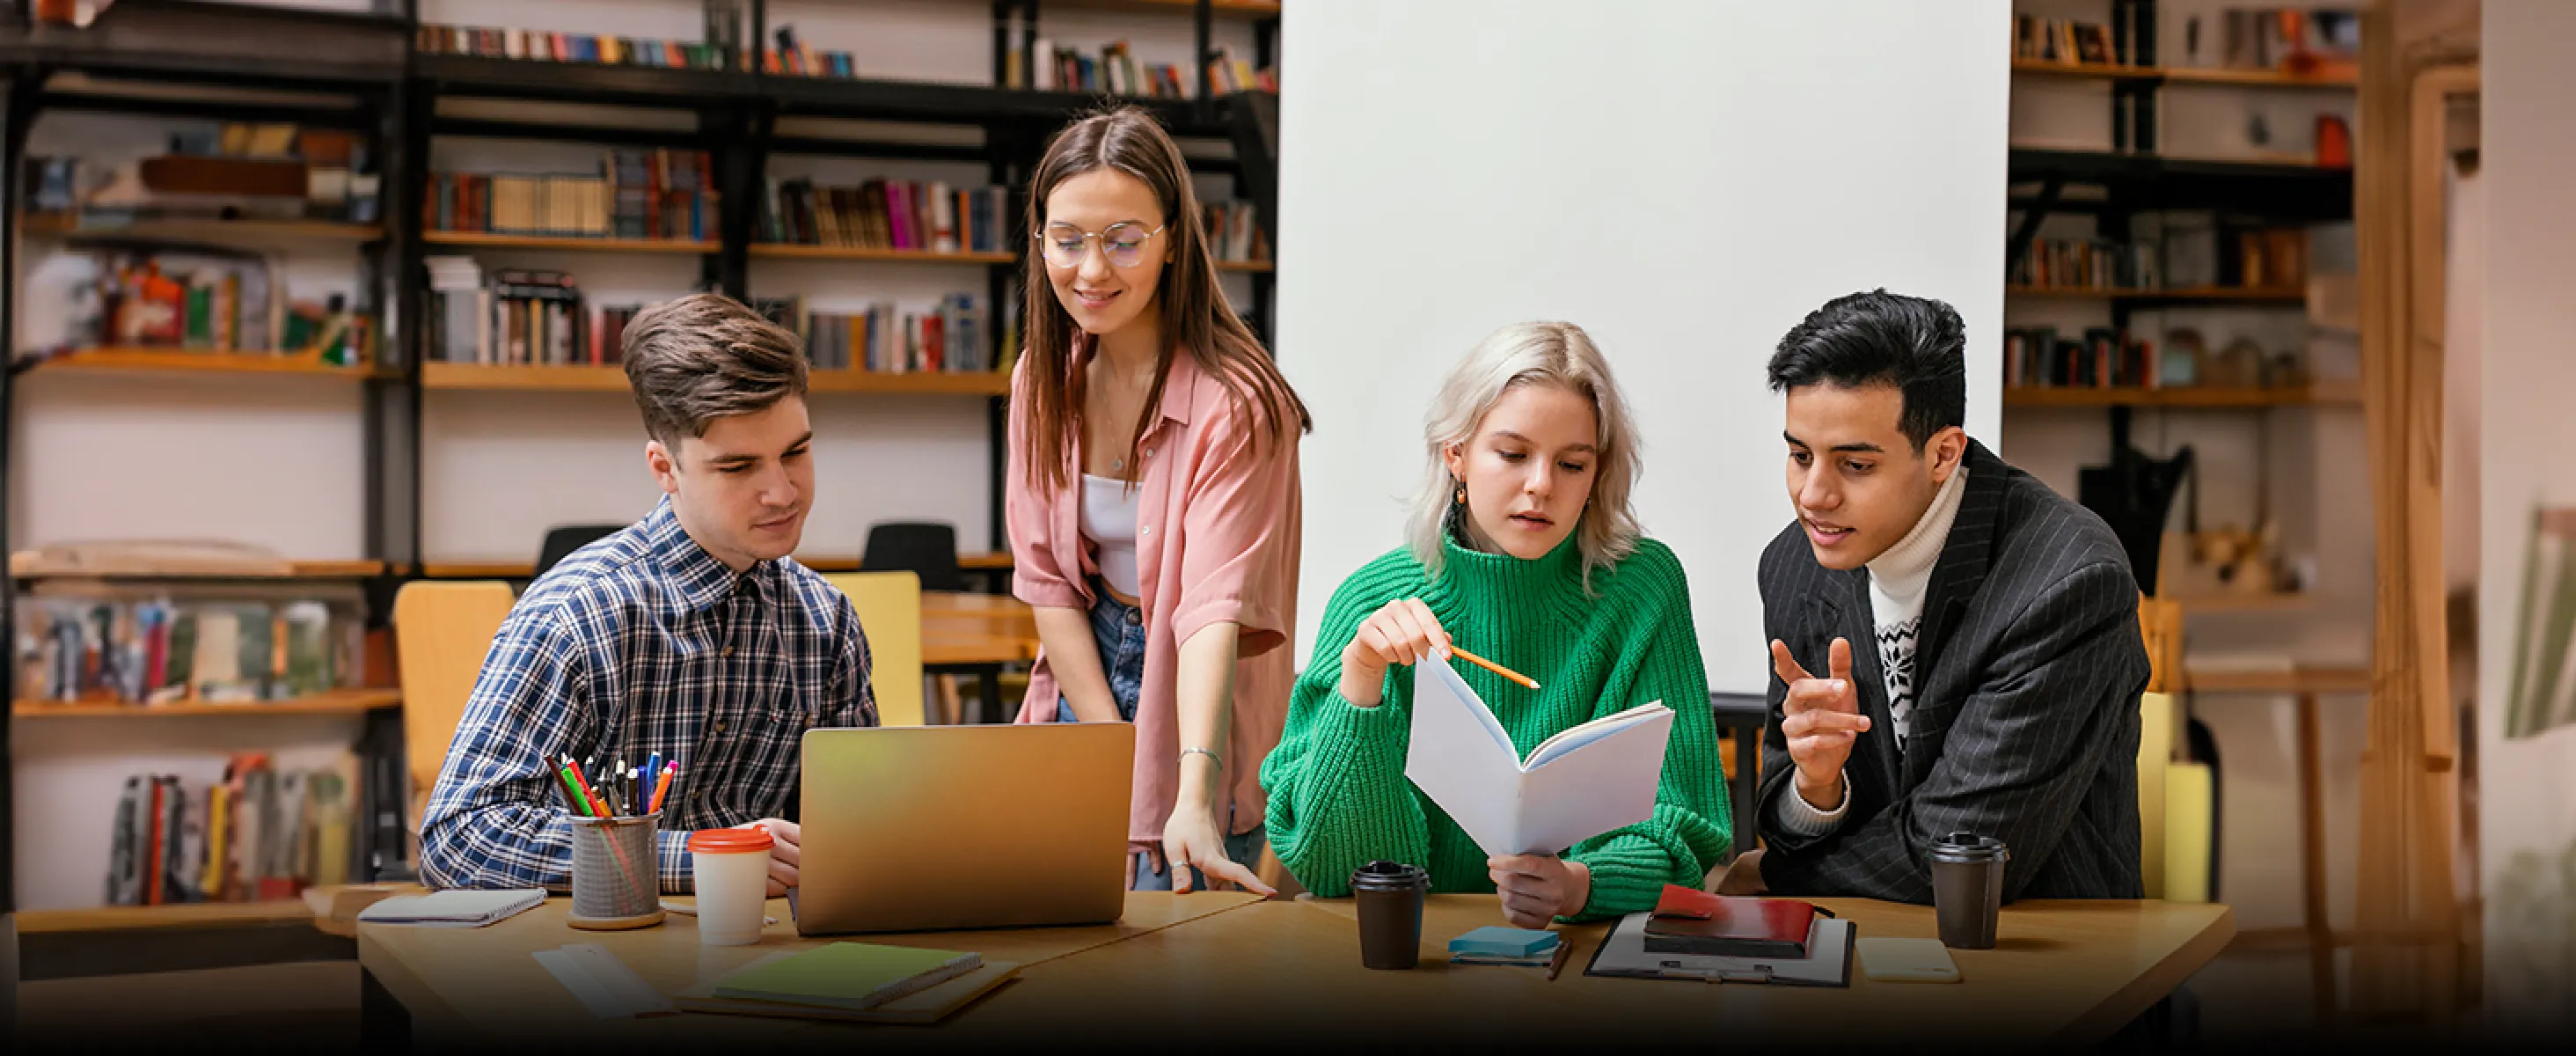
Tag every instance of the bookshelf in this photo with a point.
(2201, 398)
(164, 360)
(2199, 75)
(488, 240)
(56, 225)
(338, 702)
(797, 251)
(476, 376)
(26, 565)
(165, 917)
(2185, 295)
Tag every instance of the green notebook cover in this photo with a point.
(847, 975)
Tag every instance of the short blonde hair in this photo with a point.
(1537, 353)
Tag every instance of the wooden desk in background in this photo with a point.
(2066, 973)
(975, 634)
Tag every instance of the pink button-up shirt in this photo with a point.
(1217, 522)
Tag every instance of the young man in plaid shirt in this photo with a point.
(690, 633)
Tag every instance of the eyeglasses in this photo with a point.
(1122, 243)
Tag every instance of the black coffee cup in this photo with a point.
(1390, 898)
(1968, 888)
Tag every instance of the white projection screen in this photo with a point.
(1684, 179)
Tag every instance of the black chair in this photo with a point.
(563, 539)
(923, 549)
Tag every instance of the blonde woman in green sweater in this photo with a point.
(1523, 549)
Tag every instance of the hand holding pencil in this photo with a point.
(1403, 632)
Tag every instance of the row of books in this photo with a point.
(518, 317)
(202, 299)
(2064, 40)
(955, 337)
(2101, 357)
(159, 651)
(889, 214)
(2288, 37)
(792, 58)
(260, 833)
(656, 193)
(1233, 235)
(2086, 264)
(544, 46)
(1115, 70)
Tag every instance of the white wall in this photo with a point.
(2528, 786)
(1685, 181)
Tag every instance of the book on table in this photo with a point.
(851, 976)
(1584, 781)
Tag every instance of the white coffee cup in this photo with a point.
(732, 870)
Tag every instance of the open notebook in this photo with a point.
(1576, 785)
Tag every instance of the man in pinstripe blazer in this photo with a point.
(1956, 646)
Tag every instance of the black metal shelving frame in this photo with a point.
(377, 83)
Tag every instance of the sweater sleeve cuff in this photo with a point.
(1628, 876)
(1803, 819)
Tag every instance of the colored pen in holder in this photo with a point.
(616, 874)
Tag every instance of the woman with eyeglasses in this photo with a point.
(1152, 498)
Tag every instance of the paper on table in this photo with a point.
(605, 985)
(1578, 784)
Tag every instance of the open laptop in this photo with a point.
(936, 828)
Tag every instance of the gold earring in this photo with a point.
(1462, 490)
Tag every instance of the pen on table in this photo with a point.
(1489, 665)
(1553, 963)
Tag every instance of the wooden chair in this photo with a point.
(441, 632)
(2176, 823)
(889, 607)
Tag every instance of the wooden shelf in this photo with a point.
(1218, 8)
(2188, 74)
(2296, 681)
(23, 564)
(613, 379)
(336, 702)
(487, 240)
(797, 251)
(180, 915)
(2208, 397)
(2260, 78)
(185, 361)
(2287, 295)
(2086, 70)
(819, 563)
(66, 226)
(1254, 266)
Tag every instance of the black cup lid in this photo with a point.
(1383, 874)
(1968, 846)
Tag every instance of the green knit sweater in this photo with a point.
(1338, 794)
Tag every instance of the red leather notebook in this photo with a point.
(1700, 924)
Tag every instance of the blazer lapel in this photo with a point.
(1962, 566)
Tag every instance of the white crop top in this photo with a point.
(1109, 522)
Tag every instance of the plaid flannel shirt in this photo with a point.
(643, 642)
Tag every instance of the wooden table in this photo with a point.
(1274, 973)
(461, 987)
(975, 634)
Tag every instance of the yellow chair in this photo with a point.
(2175, 800)
(441, 632)
(889, 607)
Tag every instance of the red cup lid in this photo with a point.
(729, 841)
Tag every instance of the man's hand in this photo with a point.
(1538, 888)
(1743, 876)
(1820, 719)
(784, 854)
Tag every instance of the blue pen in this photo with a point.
(652, 770)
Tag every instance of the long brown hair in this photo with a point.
(1194, 314)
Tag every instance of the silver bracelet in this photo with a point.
(1218, 759)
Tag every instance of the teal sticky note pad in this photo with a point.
(1498, 941)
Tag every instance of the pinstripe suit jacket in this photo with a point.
(2027, 674)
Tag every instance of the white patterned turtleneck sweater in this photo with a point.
(1898, 580)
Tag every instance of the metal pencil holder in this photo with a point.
(616, 873)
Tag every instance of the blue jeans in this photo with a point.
(1118, 629)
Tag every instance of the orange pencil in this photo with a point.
(1489, 665)
(662, 785)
